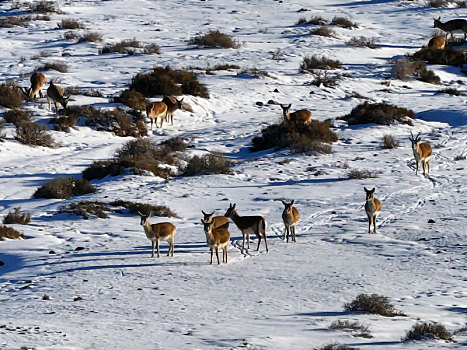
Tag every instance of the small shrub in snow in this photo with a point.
(360, 174)
(379, 113)
(450, 91)
(59, 67)
(335, 346)
(14, 21)
(133, 99)
(255, 72)
(315, 20)
(325, 79)
(310, 63)
(17, 116)
(373, 304)
(406, 68)
(215, 38)
(63, 188)
(10, 95)
(145, 209)
(357, 329)
(70, 90)
(389, 142)
(9, 233)
(207, 164)
(362, 42)
(33, 134)
(44, 6)
(430, 330)
(344, 22)
(86, 209)
(90, 36)
(70, 24)
(448, 56)
(460, 157)
(324, 31)
(124, 47)
(16, 217)
(64, 123)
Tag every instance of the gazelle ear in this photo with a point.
(366, 190)
(203, 212)
(290, 105)
(234, 205)
(284, 202)
(373, 190)
(293, 201)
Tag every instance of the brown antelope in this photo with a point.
(302, 116)
(172, 105)
(290, 217)
(372, 208)
(219, 221)
(217, 238)
(156, 110)
(37, 83)
(162, 231)
(454, 25)
(422, 153)
(248, 225)
(55, 94)
(438, 42)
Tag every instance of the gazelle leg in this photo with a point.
(265, 241)
(243, 243)
(157, 246)
(259, 241)
(217, 255)
(374, 224)
(211, 255)
(287, 229)
(152, 256)
(369, 224)
(248, 239)
(293, 233)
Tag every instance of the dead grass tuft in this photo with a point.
(344, 22)
(9, 233)
(311, 63)
(362, 42)
(324, 31)
(430, 330)
(17, 116)
(379, 113)
(63, 188)
(33, 134)
(213, 39)
(207, 164)
(389, 142)
(57, 66)
(373, 304)
(70, 24)
(16, 217)
(10, 95)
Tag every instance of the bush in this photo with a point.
(450, 91)
(325, 79)
(357, 329)
(315, 20)
(77, 91)
(360, 174)
(145, 209)
(129, 47)
(215, 38)
(373, 304)
(86, 209)
(33, 134)
(298, 137)
(9, 233)
(64, 123)
(70, 24)
(335, 346)
(10, 95)
(431, 330)
(255, 72)
(344, 22)
(379, 113)
(324, 31)
(59, 67)
(14, 21)
(44, 7)
(362, 42)
(310, 63)
(16, 217)
(90, 36)
(406, 68)
(17, 116)
(63, 188)
(133, 99)
(389, 142)
(207, 164)
(167, 81)
(448, 56)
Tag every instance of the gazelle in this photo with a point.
(172, 105)
(37, 83)
(438, 42)
(55, 94)
(162, 231)
(290, 217)
(372, 208)
(217, 238)
(156, 110)
(219, 221)
(454, 25)
(256, 225)
(302, 116)
(422, 153)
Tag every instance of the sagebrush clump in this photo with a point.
(10, 95)
(430, 330)
(17, 217)
(207, 164)
(64, 187)
(9, 233)
(215, 38)
(379, 113)
(311, 63)
(33, 134)
(373, 304)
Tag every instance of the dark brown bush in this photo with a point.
(448, 56)
(315, 136)
(225, 66)
(430, 330)
(315, 20)
(450, 91)
(310, 63)
(207, 164)
(255, 72)
(406, 68)
(90, 37)
(324, 31)
(16, 217)
(124, 47)
(14, 21)
(63, 123)
(143, 208)
(167, 81)
(325, 79)
(361, 174)
(335, 346)
(102, 168)
(70, 90)
(86, 209)
(389, 142)
(215, 38)
(344, 22)
(133, 99)
(63, 188)
(70, 24)
(17, 116)
(59, 67)
(44, 6)
(152, 49)
(71, 35)
(9, 233)
(362, 42)
(373, 304)
(10, 95)
(33, 134)
(379, 113)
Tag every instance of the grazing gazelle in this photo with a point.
(156, 110)
(290, 217)
(162, 231)
(438, 42)
(422, 153)
(372, 208)
(454, 25)
(248, 225)
(37, 83)
(302, 116)
(219, 221)
(172, 105)
(55, 94)
(217, 238)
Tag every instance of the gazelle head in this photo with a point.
(207, 217)
(179, 103)
(286, 110)
(437, 22)
(231, 210)
(144, 219)
(415, 140)
(288, 206)
(207, 225)
(369, 194)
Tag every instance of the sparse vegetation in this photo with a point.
(326, 79)
(17, 116)
(44, 7)
(70, 90)
(255, 72)
(14, 21)
(86, 209)
(133, 99)
(335, 346)
(64, 123)
(460, 157)
(379, 113)
(9, 233)
(59, 67)
(324, 31)
(344, 22)
(10, 95)
(63, 188)
(389, 142)
(92, 37)
(406, 68)
(315, 20)
(361, 174)
(129, 47)
(450, 91)
(70, 24)
(430, 330)
(448, 56)
(447, 3)
(207, 164)
(362, 42)
(16, 217)
(373, 304)
(214, 38)
(143, 208)
(33, 134)
(356, 328)
(311, 63)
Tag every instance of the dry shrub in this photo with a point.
(17, 116)
(450, 91)
(167, 81)
(16, 217)
(310, 63)
(70, 90)
(430, 330)
(215, 38)
(9, 233)
(344, 22)
(124, 47)
(34, 134)
(90, 37)
(64, 123)
(152, 49)
(14, 21)
(389, 142)
(44, 6)
(373, 304)
(133, 99)
(145, 209)
(86, 209)
(324, 31)
(255, 72)
(335, 346)
(207, 164)
(70, 24)
(439, 3)
(379, 113)
(406, 68)
(315, 20)
(356, 328)
(71, 35)
(315, 136)
(448, 56)
(63, 188)
(325, 79)
(362, 42)
(59, 67)
(225, 66)
(361, 174)
(10, 95)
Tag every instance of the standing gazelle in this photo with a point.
(256, 225)
(302, 116)
(156, 110)
(37, 83)
(438, 42)
(290, 217)
(219, 221)
(55, 93)
(422, 153)
(454, 25)
(162, 231)
(217, 238)
(372, 208)
(172, 105)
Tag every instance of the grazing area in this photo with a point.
(299, 269)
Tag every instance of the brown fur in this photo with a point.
(438, 42)
(37, 83)
(290, 217)
(422, 153)
(172, 105)
(302, 116)
(162, 231)
(55, 93)
(219, 221)
(217, 238)
(372, 208)
(156, 110)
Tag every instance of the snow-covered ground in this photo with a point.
(284, 299)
